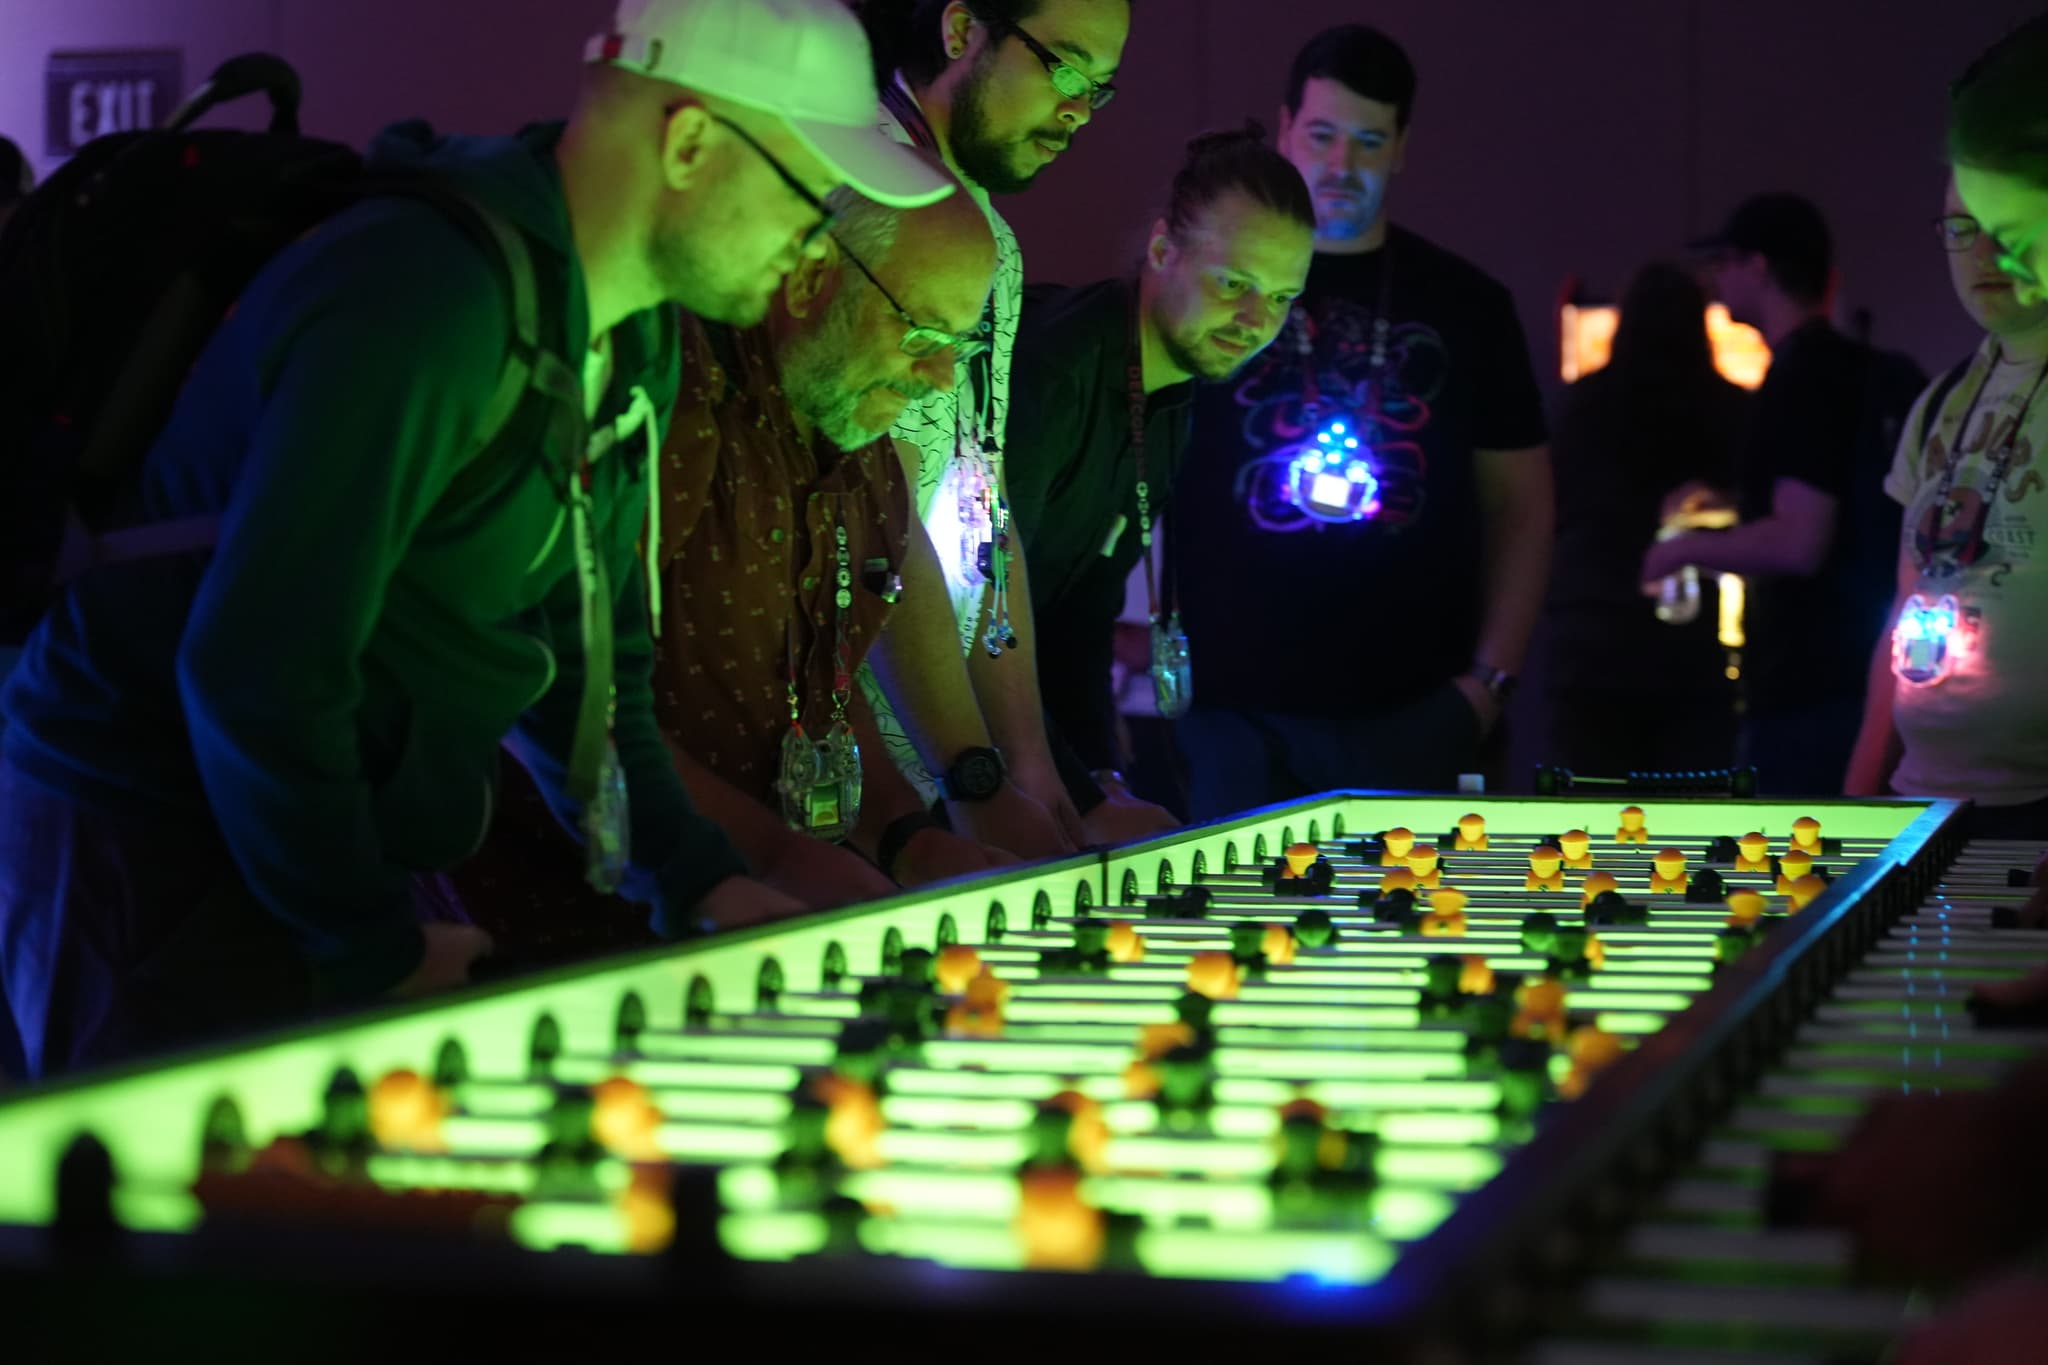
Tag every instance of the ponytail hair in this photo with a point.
(1998, 109)
(1238, 159)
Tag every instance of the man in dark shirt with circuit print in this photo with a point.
(1371, 500)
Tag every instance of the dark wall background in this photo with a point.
(1571, 138)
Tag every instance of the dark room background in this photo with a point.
(1564, 140)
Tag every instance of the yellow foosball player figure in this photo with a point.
(1446, 917)
(1667, 874)
(1804, 892)
(1422, 861)
(1300, 858)
(1745, 908)
(1594, 886)
(1398, 844)
(1592, 1051)
(1471, 834)
(1577, 847)
(1795, 864)
(1806, 835)
(1399, 879)
(1546, 869)
(1539, 1009)
(1632, 830)
(1754, 853)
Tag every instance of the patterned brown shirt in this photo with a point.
(748, 560)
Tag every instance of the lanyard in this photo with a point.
(2001, 456)
(1135, 395)
(842, 665)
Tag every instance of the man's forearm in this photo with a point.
(1006, 685)
(918, 662)
(886, 795)
(1764, 546)
(754, 829)
(1518, 536)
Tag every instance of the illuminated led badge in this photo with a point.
(1331, 477)
(1930, 639)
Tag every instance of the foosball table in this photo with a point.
(1424, 1074)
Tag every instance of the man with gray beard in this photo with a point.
(787, 542)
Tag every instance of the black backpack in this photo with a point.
(116, 271)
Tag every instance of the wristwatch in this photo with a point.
(976, 775)
(1498, 681)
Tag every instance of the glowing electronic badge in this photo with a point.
(820, 783)
(1332, 476)
(1173, 669)
(1930, 639)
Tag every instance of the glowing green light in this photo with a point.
(1445, 1168)
(1616, 1022)
(1407, 1214)
(937, 1194)
(506, 1136)
(552, 1226)
(1599, 999)
(773, 1236)
(1338, 1258)
(964, 1246)
(718, 1142)
(157, 1210)
(954, 1111)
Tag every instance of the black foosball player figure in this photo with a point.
(1188, 903)
(1394, 907)
(1301, 871)
(1315, 929)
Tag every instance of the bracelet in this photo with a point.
(897, 837)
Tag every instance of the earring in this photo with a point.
(955, 50)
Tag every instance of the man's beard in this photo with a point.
(1209, 366)
(689, 277)
(812, 369)
(983, 160)
(1353, 220)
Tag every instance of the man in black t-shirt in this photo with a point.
(1815, 540)
(1364, 538)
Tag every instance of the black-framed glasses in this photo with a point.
(826, 214)
(1957, 231)
(920, 339)
(1072, 82)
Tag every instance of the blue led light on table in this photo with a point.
(1331, 477)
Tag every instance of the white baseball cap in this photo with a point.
(805, 61)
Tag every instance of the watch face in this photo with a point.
(976, 775)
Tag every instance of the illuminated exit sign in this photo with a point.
(90, 94)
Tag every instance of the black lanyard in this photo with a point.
(1135, 394)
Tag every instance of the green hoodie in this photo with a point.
(329, 687)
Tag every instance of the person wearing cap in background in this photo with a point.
(1816, 536)
(223, 772)
(1000, 89)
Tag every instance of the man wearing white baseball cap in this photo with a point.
(223, 771)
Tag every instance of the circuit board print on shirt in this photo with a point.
(1278, 418)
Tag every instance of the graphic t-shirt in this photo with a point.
(1975, 502)
(1291, 604)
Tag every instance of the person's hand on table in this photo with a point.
(1012, 821)
(741, 902)
(1122, 818)
(451, 950)
(937, 855)
(822, 876)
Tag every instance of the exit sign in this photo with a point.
(90, 94)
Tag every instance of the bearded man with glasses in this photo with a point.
(999, 89)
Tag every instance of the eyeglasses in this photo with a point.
(1072, 83)
(921, 340)
(826, 215)
(1957, 231)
